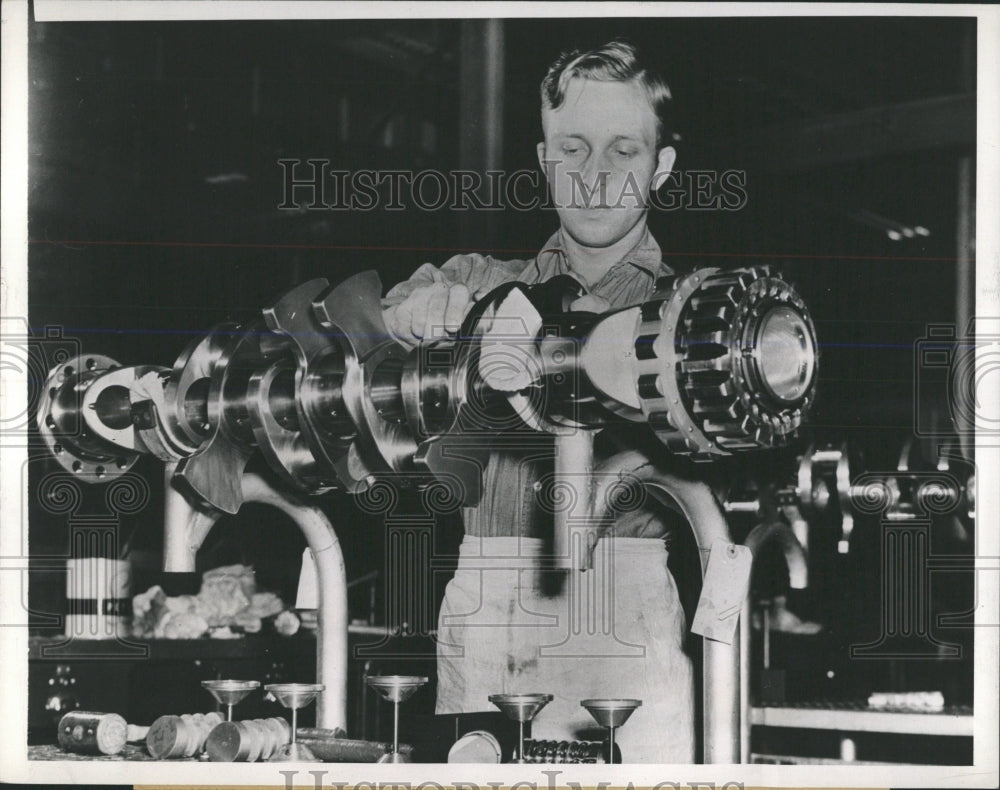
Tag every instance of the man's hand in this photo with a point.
(429, 311)
(436, 309)
(588, 303)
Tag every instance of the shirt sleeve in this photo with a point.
(476, 271)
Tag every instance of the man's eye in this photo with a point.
(625, 152)
(570, 150)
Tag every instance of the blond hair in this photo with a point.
(616, 61)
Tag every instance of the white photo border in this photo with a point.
(14, 766)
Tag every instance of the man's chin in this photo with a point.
(594, 228)
(592, 235)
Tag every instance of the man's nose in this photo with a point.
(595, 182)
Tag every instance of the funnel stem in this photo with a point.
(295, 726)
(520, 744)
(229, 712)
(611, 745)
(395, 728)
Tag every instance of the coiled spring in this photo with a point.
(565, 751)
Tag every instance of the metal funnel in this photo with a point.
(294, 695)
(395, 757)
(396, 688)
(521, 707)
(293, 753)
(229, 692)
(611, 712)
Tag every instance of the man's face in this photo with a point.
(600, 157)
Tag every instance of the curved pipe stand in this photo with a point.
(186, 527)
(721, 662)
(798, 578)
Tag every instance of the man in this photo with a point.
(502, 627)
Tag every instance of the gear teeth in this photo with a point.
(736, 443)
(652, 311)
(650, 386)
(718, 411)
(716, 299)
(712, 317)
(764, 434)
(644, 349)
(720, 363)
(730, 428)
(699, 323)
(662, 420)
(722, 391)
(677, 444)
(706, 343)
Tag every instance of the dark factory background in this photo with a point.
(154, 215)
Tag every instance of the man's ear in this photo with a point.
(540, 150)
(664, 166)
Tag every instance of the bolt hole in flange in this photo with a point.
(62, 424)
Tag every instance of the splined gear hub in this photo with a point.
(725, 361)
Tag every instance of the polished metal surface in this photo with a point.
(701, 365)
(785, 352)
(294, 695)
(396, 688)
(213, 475)
(229, 692)
(611, 712)
(187, 388)
(478, 746)
(520, 707)
(307, 430)
(62, 425)
(715, 363)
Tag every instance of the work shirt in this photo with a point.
(511, 504)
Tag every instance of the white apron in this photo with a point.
(616, 631)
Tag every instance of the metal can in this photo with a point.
(87, 732)
(478, 746)
(247, 741)
(180, 736)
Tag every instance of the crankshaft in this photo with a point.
(714, 363)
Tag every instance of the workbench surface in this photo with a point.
(131, 753)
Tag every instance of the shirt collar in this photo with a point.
(645, 255)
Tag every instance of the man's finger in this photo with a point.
(389, 319)
(401, 318)
(418, 318)
(459, 302)
(437, 303)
